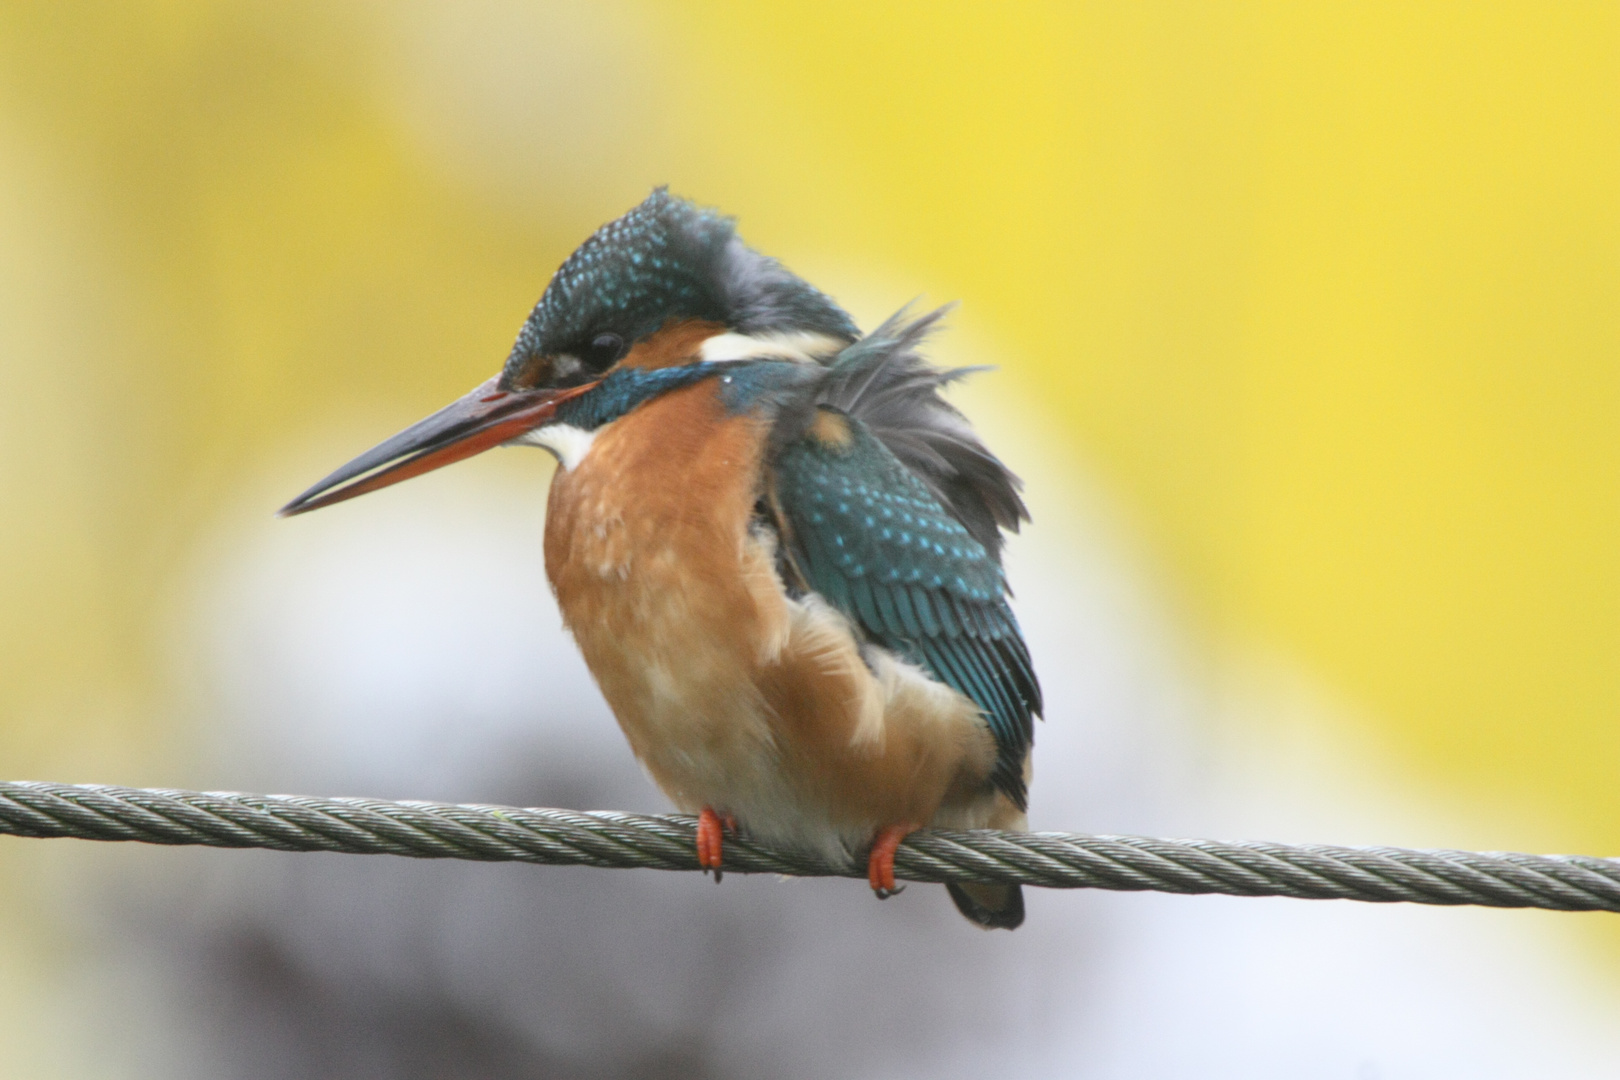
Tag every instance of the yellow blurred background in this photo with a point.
(1324, 298)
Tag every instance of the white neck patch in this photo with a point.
(801, 346)
(567, 443)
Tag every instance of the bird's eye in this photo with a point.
(605, 349)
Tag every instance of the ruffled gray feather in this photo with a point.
(883, 381)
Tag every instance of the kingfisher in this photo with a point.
(776, 544)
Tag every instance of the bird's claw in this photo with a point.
(880, 864)
(711, 830)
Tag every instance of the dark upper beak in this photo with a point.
(470, 425)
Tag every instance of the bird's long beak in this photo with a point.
(470, 425)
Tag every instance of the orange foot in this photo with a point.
(711, 830)
(880, 864)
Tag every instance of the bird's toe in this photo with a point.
(880, 863)
(711, 829)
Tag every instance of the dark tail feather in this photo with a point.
(994, 907)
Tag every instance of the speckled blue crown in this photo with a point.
(653, 260)
(669, 258)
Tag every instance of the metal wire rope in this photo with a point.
(430, 830)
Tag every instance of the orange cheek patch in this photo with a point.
(676, 342)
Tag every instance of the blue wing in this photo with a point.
(872, 538)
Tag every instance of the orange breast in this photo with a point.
(731, 695)
(646, 547)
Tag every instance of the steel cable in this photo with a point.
(428, 830)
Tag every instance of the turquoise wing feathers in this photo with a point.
(874, 540)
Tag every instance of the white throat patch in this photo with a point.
(567, 443)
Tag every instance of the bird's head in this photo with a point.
(668, 283)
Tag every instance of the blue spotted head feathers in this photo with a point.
(666, 259)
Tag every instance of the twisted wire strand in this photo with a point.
(428, 830)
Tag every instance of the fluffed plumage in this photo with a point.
(776, 544)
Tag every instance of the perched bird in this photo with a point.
(777, 546)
